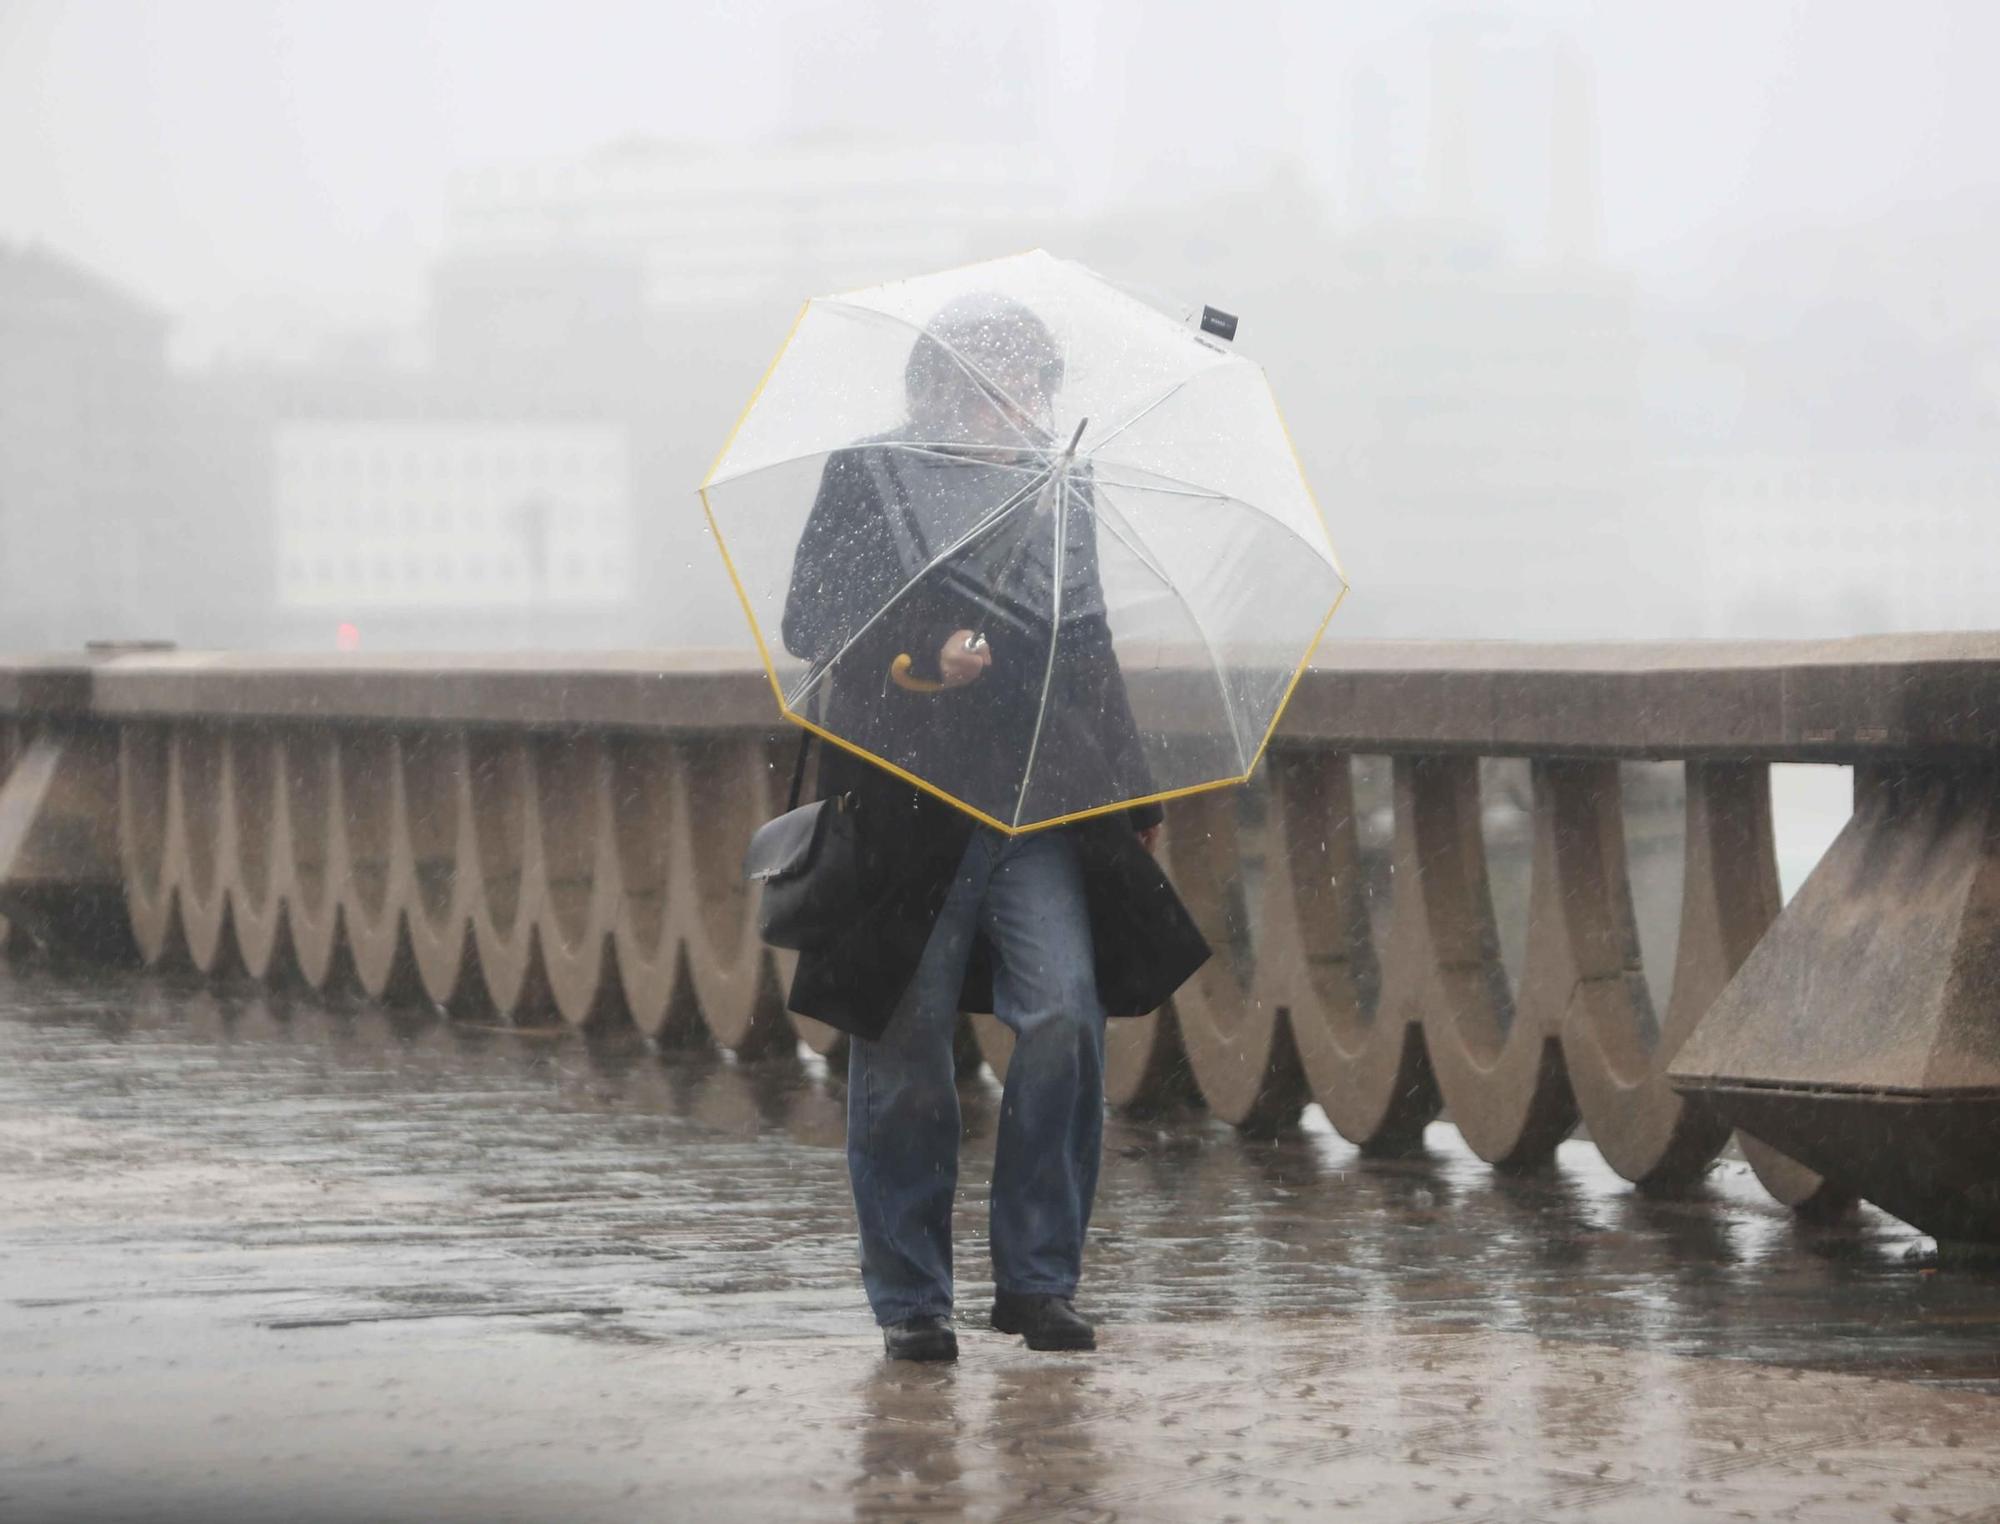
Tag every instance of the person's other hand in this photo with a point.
(1150, 838)
(959, 663)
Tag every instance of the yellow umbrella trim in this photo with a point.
(777, 689)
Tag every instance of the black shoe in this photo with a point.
(1049, 1322)
(926, 1338)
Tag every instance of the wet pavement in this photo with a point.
(263, 1258)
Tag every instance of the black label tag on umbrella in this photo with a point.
(1222, 324)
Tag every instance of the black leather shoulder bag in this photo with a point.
(808, 862)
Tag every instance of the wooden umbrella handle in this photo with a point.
(899, 674)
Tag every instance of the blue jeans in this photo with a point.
(1026, 894)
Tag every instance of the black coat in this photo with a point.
(848, 567)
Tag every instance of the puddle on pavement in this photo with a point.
(603, 1192)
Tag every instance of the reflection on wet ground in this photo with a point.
(519, 1268)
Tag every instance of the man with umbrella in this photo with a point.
(946, 595)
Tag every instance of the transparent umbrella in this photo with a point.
(1025, 540)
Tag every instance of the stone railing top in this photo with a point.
(1865, 698)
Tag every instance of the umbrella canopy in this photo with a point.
(1102, 498)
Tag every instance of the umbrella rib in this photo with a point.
(1189, 490)
(1131, 539)
(930, 447)
(820, 669)
(967, 454)
(1209, 494)
(1061, 517)
(1159, 401)
(1208, 368)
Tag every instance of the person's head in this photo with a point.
(985, 370)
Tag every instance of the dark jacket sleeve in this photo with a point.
(819, 609)
(845, 572)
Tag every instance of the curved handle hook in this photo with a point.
(899, 674)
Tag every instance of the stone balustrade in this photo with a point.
(526, 838)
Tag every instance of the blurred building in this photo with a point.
(721, 225)
(541, 331)
(1482, 434)
(419, 529)
(1839, 411)
(1850, 481)
(1484, 393)
(1846, 543)
(650, 282)
(1466, 407)
(88, 545)
(479, 487)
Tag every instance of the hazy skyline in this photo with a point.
(259, 170)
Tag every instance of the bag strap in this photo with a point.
(799, 771)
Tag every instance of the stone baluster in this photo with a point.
(256, 905)
(436, 783)
(307, 820)
(646, 821)
(580, 888)
(145, 832)
(1497, 1057)
(725, 794)
(370, 866)
(1614, 1042)
(1237, 1037)
(202, 843)
(1357, 1024)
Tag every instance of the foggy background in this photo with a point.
(415, 325)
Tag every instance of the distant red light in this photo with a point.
(347, 637)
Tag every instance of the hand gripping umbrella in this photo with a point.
(1021, 459)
